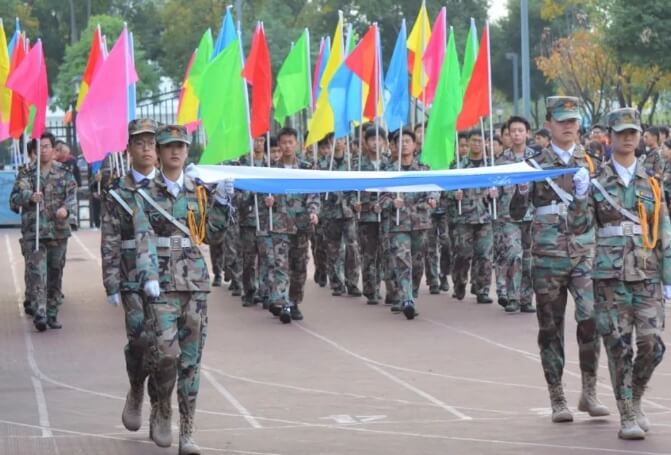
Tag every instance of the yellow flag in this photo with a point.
(417, 41)
(323, 121)
(5, 93)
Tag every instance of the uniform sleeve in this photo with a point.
(70, 202)
(21, 197)
(146, 260)
(219, 217)
(110, 246)
(519, 203)
(13, 199)
(582, 219)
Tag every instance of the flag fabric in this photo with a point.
(227, 33)
(203, 54)
(132, 85)
(476, 98)
(345, 95)
(5, 93)
(29, 80)
(434, 55)
(417, 41)
(396, 85)
(187, 105)
(438, 148)
(223, 107)
(18, 115)
(93, 64)
(322, 121)
(364, 62)
(293, 91)
(470, 54)
(15, 38)
(258, 73)
(102, 121)
(319, 69)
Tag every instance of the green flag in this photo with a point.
(203, 55)
(293, 89)
(438, 147)
(223, 107)
(470, 54)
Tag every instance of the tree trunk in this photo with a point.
(74, 35)
(655, 100)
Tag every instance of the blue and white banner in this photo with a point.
(289, 181)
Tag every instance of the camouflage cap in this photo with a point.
(563, 108)
(172, 133)
(626, 118)
(142, 125)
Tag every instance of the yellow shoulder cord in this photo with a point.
(643, 215)
(590, 164)
(198, 230)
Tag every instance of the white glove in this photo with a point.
(581, 181)
(152, 289)
(667, 292)
(114, 299)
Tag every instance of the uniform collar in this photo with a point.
(626, 174)
(139, 178)
(564, 155)
(174, 187)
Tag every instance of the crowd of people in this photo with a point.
(602, 234)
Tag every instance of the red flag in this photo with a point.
(258, 74)
(94, 63)
(30, 80)
(476, 99)
(18, 116)
(363, 62)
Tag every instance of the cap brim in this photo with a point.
(626, 126)
(567, 116)
(135, 133)
(183, 141)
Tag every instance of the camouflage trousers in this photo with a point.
(298, 264)
(264, 246)
(620, 307)
(407, 256)
(318, 242)
(217, 257)
(387, 264)
(369, 241)
(336, 232)
(473, 243)
(512, 261)
(28, 287)
(136, 351)
(553, 278)
(437, 257)
(249, 256)
(177, 322)
(278, 270)
(232, 250)
(45, 268)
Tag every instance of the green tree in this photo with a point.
(76, 55)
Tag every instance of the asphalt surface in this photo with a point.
(462, 378)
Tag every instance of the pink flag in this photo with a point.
(29, 80)
(4, 131)
(434, 55)
(102, 120)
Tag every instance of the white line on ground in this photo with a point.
(231, 399)
(40, 399)
(375, 366)
(86, 249)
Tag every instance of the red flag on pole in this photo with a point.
(477, 97)
(18, 116)
(257, 73)
(29, 79)
(363, 62)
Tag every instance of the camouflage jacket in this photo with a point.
(117, 237)
(506, 192)
(553, 234)
(623, 257)
(246, 203)
(475, 202)
(291, 212)
(653, 163)
(176, 267)
(368, 199)
(59, 189)
(416, 212)
(338, 205)
(13, 201)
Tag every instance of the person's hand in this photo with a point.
(398, 203)
(152, 289)
(270, 201)
(114, 299)
(98, 177)
(61, 213)
(377, 208)
(581, 182)
(357, 207)
(432, 202)
(37, 197)
(459, 195)
(523, 188)
(493, 192)
(314, 219)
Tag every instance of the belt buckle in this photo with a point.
(628, 228)
(562, 209)
(175, 243)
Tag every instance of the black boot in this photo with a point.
(295, 312)
(216, 282)
(459, 292)
(484, 298)
(409, 310)
(285, 314)
(40, 320)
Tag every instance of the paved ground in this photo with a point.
(350, 379)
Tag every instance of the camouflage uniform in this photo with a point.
(438, 248)
(28, 306)
(473, 239)
(319, 244)
(512, 247)
(628, 277)
(45, 265)
(562, 252)
(369, 237)
(177, 320)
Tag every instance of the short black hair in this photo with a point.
(506, 126)
(60, 142)
(517, 119)
(287, 131)
(600, 127)
(654, 131)
(543, 132)
(474, 132)
(325, 141)
(462, 135)
(411, 133)
(668, 143)
(273, 141)
(418, 126)
(31, 147)
(664, 130)
(371, 132)
(50, 136)
(497, 138)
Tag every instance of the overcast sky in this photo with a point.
(497, 9)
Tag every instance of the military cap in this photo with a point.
(626, 118)
(172, 133)
(142, 125)
(563, 108)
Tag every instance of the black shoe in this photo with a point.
(40, 321)
(353, 291)
(371, 299)
(53, 323)
(337, 292)
(444, 284)
(473, 291)
(513, 306)
(248, 300)
(387, 300)
(236, 290)
(266, 304)
(28, 308)
(257, 299)
(227, 277)
(459, 292)
(216, 282)
(285, 314)
(275, 309)
(434, 290)
(527, 308)
(484, 298)
(396, 308)
(503, 302)
(322, 284)
(296, 314)
(409, 310)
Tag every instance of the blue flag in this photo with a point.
(15, 37)
(396, 85)
(227, 34)
(345, 98)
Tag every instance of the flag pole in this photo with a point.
(37, 206)
(314, 146)
(456, 147)
(491, 113)
(398, 149)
